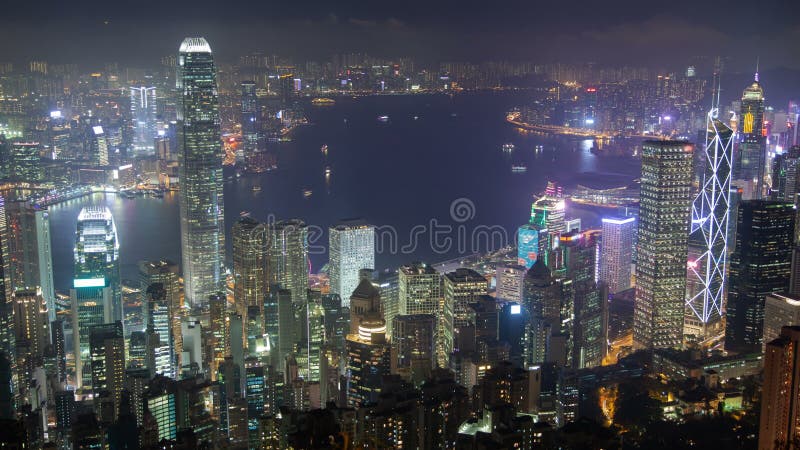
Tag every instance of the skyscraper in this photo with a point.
(143, 112)
(664, 212)
(249, 264)
(708, 241)
(99, 147)
(420, 292)
(533, 242)
(32, 331)
(462, 287)
(167, 274)
(107, 350)
(780, 417)
(509, 282)
(616, 253)
(287, 261)
(351, 249)
(201, 201)
(25, 164)
(750, 166)
(95, 294)
(413, 349)
(760, 265)
(158, 324)
(29, 252)
(249, 123)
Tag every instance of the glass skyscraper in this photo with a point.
(96, 295)
(666, 198)
(760, 265)
(143, 110)
(751, 155)
(288, 257)
(249, 124)
(351, 248)
(201, 201)
(708, 241)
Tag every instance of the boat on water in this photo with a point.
(256, 189)
(127, 194)
(327, 171)
(307, 193)
(244, 213)
(156, 194)
(383, 119)
(323, 101)
(508, 148)
(519, 168)
(324, 149)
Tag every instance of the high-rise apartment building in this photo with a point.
(780, 417)
(200, 162)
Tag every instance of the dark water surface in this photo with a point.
(404, 172)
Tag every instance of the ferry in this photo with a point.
(256, 189)
(519, 168)
(307, 193)
(323, 101)
(383, 119)
(327, 171)
(508, 148)
(244, 214)
(325, 149)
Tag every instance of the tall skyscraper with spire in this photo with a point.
(749, 170)
(201, 202)
(708, 239)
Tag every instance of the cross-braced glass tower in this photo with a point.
(708, 241)
(201, 204)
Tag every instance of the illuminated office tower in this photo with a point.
(256, 395)
(413, 344)
(7, 335)
(664, 212)
(143, 112)
(200, 172)
(32, 331)
(158, 322)
(760, 265)
(708, 241)
(509, 282)
(420, 292)
(107, 351)
(548, 213)
(779, 310)
(461, 288)
(590, 311)
(29, 252)
(218, 323)
(750, 164)
(167, 274)
(24, 162)
(249, 123)
(533, 242)
(785, 176)
(249, 264)
(99, 146)
(160, 400)
(351, 249)
(95, 294)
(367, 361)
(780, 418)
(365, 302)
(287, 260)
(616, 253)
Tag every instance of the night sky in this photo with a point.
(628, 31)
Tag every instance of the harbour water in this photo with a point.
(433, 158)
